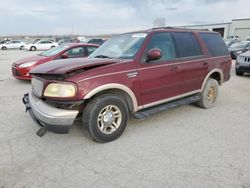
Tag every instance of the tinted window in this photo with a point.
(76, 52)
(91, 49)
(215, 44)
(187, 44)
(163, 41)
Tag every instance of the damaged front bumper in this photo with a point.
(48, 117)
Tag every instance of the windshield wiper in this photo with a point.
(102, 56)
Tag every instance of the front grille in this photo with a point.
(247, 59)
(37, 87)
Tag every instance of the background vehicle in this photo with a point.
(13, 44)
(140, 73)
(234, 37)
(22, 67)
(238, 48)
(229, 42)
(242, 64)
(96, 41)
(41, 45)
(67, 40)
(248, 39)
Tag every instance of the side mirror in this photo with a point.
(64, 56)
(153, 54)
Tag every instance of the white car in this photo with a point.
(13, 44)
(41, 45)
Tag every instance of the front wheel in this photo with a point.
(4, 48)
(105, 117)
(21, 48)
(209, 94)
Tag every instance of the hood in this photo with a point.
(30, 59)
(67, 66)
(234, 49)
(246, 54)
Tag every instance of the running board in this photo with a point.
(142, 114)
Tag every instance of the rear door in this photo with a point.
(159, 79)
(191, 62)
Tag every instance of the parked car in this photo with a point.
(96, 41)
(22, 67)
(238, 48)
(13, 44)
(234, 37)
(248, 39)
(242, 64)
(138, 73)
(41, 45)
(229, 42)
(67, 40)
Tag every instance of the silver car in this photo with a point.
(242, 64)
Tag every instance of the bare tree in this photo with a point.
(159, 22)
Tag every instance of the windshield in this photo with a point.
(54, 51)
(239, 45)
(120, 47)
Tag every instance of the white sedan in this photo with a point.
(13, 44)
(41, 45)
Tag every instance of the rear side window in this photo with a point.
(215, 44)
(187, 44)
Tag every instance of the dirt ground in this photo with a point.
(184, 147)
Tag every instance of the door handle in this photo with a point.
(174, 68)
(205, 63)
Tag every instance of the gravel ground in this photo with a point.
(183, 147)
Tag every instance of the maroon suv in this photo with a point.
(138, 73)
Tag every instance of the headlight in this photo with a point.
(239, 52)
(239, 58)
(60, 90)
(27, 64)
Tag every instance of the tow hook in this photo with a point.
(41, 132)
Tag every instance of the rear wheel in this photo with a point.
(105, 117)
(22, 47)
(4, 48)
(209, 94)
(239, 73)
(32, 48)
(52, 46)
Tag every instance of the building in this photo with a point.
(238, 27)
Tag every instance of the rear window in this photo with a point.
(215, 44)
(187, 44)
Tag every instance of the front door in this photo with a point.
(159, 79)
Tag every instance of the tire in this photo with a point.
(239, 73)
(4, 48)
(32, 48)
(209, 94)
(21, 48)
(105, 118)
(52, 46)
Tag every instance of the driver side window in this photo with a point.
(162, 41)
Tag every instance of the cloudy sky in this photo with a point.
(111, 16)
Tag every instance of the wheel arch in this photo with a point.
(216, 74)
(118, 89)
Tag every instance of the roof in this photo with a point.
(80, 44)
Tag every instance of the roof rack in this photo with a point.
(162, 28)
(154, 28)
